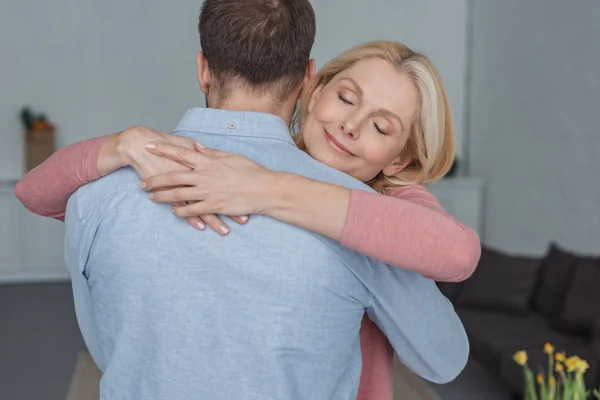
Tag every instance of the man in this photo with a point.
(271, 311)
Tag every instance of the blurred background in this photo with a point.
(523, 78)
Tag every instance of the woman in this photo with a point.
(377, 112)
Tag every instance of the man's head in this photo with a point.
(259, 47)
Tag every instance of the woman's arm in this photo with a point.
(407, 228)
(45, 189)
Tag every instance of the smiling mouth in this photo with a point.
(336, 145)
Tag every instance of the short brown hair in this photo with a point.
(264, 44)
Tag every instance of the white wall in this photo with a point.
(98, 66)
(95, 67)
(534, 122)
(437, 28)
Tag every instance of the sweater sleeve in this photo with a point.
(46, 189)
(408, 228)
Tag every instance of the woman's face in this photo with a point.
(359, 122)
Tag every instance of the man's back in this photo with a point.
(269, 311)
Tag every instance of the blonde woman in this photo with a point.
(377, 112)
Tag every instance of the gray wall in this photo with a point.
(99, 66)
(534, 126)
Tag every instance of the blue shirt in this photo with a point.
(270, 311)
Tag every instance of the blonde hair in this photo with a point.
(431, 142)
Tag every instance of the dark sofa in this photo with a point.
(514, 303)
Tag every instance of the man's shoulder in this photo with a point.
(124, 179)
(304, 164)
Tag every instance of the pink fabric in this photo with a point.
(45, 189)
(406, 228)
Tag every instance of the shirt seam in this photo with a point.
(290, 142)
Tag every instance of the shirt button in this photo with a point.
(232, 126)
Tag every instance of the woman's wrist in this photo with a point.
(112, 155)
(272, 192)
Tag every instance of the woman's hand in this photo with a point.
(128, 148)
(218, 182)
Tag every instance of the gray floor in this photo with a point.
(40, 340)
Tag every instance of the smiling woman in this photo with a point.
(360, 115)
(386, 105)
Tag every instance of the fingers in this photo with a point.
(176, 153)
(175, 195)
(191, 210)
(209, 152)
(215, 223)
(196, 223)
(169, 179)
(242, 219)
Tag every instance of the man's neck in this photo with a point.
(256, 104)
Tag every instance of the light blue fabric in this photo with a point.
(270, 311)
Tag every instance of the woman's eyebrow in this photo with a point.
(358, 89)
(392, 115)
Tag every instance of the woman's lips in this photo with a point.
(336, 145)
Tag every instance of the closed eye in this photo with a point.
(378, 128)
(343, 100)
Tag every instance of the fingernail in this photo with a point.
(224, 229)
(150, 146)
(201, 226)
(199, 145)
(244, 219)
(143, 185)
(151, 196)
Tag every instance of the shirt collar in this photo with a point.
(235, 123)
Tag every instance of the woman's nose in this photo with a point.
(350, 130)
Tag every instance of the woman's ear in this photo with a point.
(397, 165)
(314, 97)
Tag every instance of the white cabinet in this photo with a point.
(463, 198)
(31, 247)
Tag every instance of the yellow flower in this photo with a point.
(548, 348)
(571, 363)
(552, 381)
(520, 357)
(560, 356)
(559, 367)
(539, 378)
(582, 366)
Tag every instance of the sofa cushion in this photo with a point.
(491, 334)
(501, 282)
(555, 278)
(450, 289)
(582, 303)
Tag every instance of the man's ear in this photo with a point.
(315, 96)
(204, 76)
(397, 165)
(311, 69)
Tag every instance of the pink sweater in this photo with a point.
(406, 228)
